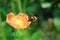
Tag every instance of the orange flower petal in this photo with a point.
(9, 16)
(22, 16)
(19, 22)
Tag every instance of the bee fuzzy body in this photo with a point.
(33, 18)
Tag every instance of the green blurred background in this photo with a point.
(47, 27)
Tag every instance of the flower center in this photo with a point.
(19, 22)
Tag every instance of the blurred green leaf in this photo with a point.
(46, 5)
(59, 5)
(57, 23)
(31, 9)
(36, 35)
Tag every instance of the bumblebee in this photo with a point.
(33, 18)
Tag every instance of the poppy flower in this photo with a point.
(19, 21)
